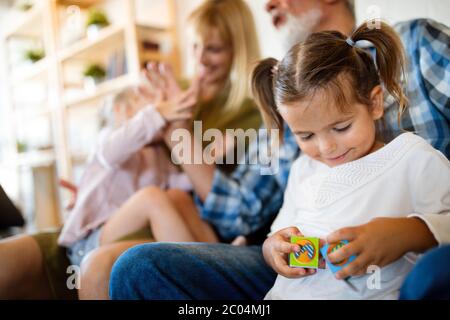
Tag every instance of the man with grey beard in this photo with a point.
(246, 201)
(296, 20)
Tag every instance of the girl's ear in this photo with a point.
(377, 102)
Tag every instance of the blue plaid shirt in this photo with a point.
(245, 201)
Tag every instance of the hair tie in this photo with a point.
(350, 42)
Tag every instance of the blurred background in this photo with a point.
(59, 59)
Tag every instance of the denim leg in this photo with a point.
(191, 271)
(430, 278)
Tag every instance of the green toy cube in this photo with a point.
(308, 256)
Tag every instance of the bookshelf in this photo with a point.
(53, 114)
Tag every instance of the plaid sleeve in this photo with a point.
(427, 45)
(247, 200)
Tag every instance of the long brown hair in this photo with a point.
(329, 60)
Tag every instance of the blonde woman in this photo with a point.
(225, 49)
(225, 46)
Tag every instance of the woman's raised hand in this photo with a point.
(178, 107)
(165, 94)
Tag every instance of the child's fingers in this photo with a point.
(357, 266)
(342, 234)
(285, 247)
(145, 93)
(322, 242)
(287, 233)
(322, 263)
(283, 269)
(344, 252)
(310, 271)
(155, 79)
(68, 185)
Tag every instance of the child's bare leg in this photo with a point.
(200, 229)
(96, 269)
(148, 207)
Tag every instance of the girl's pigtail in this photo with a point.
(263, 91)
(390, 57)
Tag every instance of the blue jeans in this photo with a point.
(174, 271)
(219, 271)
(430, 278)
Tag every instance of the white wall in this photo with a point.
(268, 40)
(401, 10)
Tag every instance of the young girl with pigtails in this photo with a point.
(329, 91)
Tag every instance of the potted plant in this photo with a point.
(93, 75)
(96, 20)
(22, 147)
(25, 5)
(34, 55)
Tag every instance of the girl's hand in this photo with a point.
(379, 242)
(73, 190)
(276, 249)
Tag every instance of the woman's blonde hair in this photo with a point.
(234, 22)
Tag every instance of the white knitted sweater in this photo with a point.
(407, 177)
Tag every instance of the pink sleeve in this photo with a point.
(117, 146)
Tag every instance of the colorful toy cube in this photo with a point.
(308, 256)
(329, 248)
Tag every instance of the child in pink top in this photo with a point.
(127, 157)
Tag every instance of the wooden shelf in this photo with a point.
(149, 30)
(153, 56)
(80, 3)
(79, 157)
(88, 49)
(35, 159)
(30, 113)
(50, 89)
(107, 87)
(34, 72)
(30, 24)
